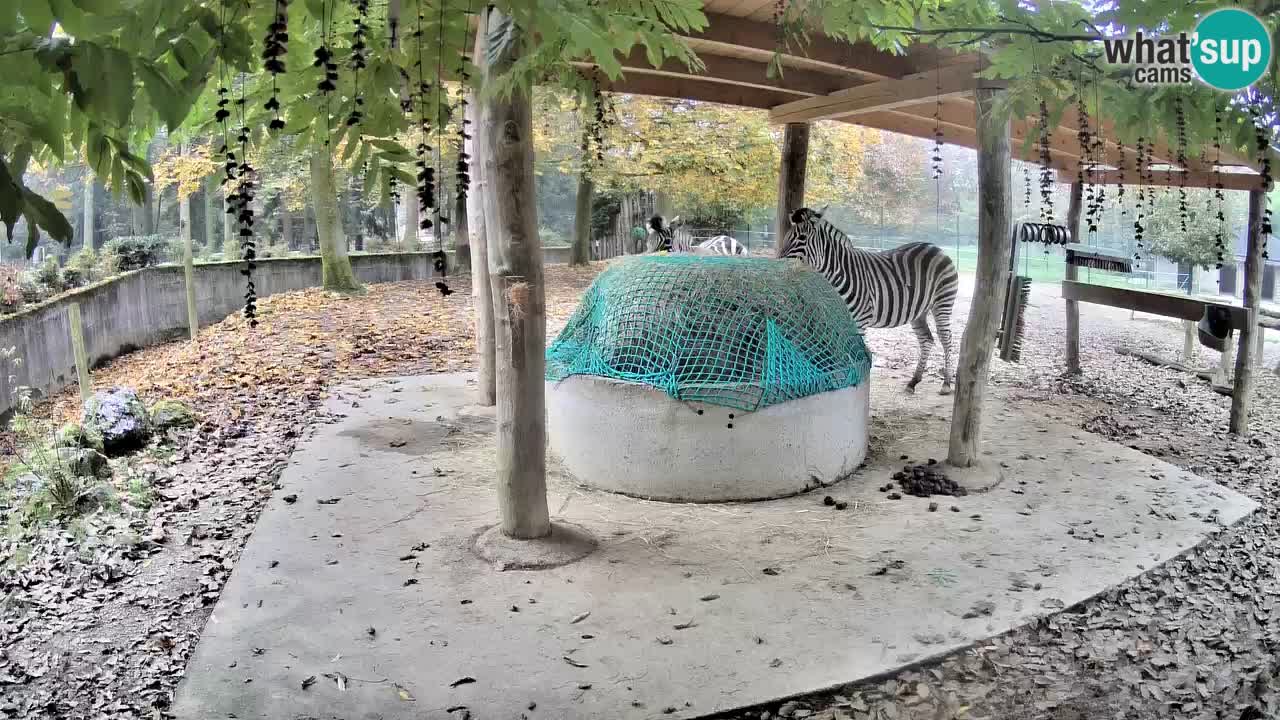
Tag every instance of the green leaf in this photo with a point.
(165, 98)
(45, 214)
(10, 200)
(185, 52)
(118, 91)
(37, 13)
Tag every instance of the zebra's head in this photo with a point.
(804, 228)
(664, 230)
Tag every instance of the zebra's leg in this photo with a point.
(921, 327)
(942, 319)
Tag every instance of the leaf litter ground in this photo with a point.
(99, 621)
(101, 626)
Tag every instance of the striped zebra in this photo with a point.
(883, 289)
(667, 240)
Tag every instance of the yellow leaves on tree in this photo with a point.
(699, 154)
(185, 170)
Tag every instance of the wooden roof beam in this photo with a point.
(800, 83)
(1172, 178)
(733, 33)
(946, 82)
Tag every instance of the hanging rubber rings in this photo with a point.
(1046, 233)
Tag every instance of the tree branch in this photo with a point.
(1041, 35)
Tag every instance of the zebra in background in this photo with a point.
(883, 289)
(668, 240)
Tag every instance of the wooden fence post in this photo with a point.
(78, 349)
(481, 295)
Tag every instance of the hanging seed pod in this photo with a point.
(359, 60)
(463, 176)
(1180, 121)
(1046, 174)
(1120, 185)
(1084, 137)
(1140, 158)
(274, 47)
(937, 128)
(1262, 141)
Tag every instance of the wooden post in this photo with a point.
(1242, 395)
(481, 293)
(994, 220)
(86, 220)
(1072, 273)
(505, 129)
(1259, 357)
(791, 174)
(78, 349)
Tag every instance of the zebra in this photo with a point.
(669, 241)
(883, 289)
(720, 245)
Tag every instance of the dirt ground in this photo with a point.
(100, 623)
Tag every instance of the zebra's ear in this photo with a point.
(823, 211)
(675, 221)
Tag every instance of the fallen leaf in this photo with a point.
(404, 694)
(308, 681)
(462, 681)
(574, 663)
(580, 617)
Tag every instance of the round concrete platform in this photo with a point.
(634, 439)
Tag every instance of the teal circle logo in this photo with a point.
(1231, 49)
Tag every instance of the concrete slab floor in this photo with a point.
(367, 582)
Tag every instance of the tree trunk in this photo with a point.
(210, 213)
(88, 238)
(994, 203)
(286, 225)
(143, 220)
(188, 259)
(1072, 273)
(1242, 397)
(462, 230)
(336, 273)
(515, 265)
(581, 251)
(230, 247)
(481, 293)
(409, 229)
(791, 174)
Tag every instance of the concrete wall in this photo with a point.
(148, 306)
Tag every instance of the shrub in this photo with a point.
(49, 274)
(82, 268)
(10, 295)
(132, 252)
(31, 289)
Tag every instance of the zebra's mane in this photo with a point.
(844, 240)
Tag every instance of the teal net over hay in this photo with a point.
(744, 333)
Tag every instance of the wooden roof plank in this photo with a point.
(946, 82)
(1172, 178)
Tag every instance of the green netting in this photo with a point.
(739, 332)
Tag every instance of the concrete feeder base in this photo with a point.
(633, 439)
